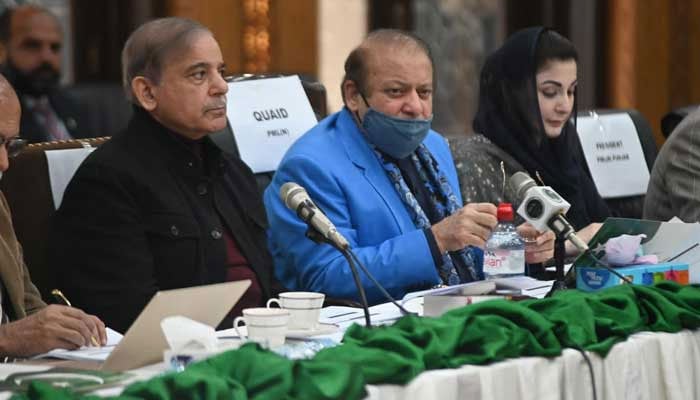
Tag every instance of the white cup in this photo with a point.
(304, 308)
(266, 326)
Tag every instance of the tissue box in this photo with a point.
(590, 279)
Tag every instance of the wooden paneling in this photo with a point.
(693, 39)
(622, 53)
(293, 31)
(653, 58)
(294, 39)
(99, 32)
(223, 17)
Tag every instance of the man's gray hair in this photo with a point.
(149, 46)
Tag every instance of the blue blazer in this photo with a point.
(341, 173)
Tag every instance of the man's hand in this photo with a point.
(585, 234)
(470, 225)
(539, 247)
(54, 327)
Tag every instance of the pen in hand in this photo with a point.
(61, 298)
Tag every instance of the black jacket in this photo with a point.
(144, 213)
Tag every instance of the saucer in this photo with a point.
(321, 329)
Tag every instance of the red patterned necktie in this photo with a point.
(50, 121)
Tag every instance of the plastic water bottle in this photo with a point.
(504, 253)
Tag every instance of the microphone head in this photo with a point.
(521, 183)
(288, 191)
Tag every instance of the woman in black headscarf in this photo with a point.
(527, 120)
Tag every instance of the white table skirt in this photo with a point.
(648, 366)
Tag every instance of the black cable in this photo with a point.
(559, 257)
(313, 234)
(608, 267)
(590, 369)
(360, 289)
(379, 286)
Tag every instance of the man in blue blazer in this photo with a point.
(385, 180)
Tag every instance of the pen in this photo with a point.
(64, 300)
(342, 314)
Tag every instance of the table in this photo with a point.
(648, 366)
(645, 366)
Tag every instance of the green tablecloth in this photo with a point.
(477, 334)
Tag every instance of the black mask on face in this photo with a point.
(37, 82)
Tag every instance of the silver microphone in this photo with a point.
(297, 199)
(542, 207)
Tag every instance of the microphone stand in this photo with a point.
(314, 235)
(559, 256)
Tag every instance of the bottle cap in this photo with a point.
(505, 212)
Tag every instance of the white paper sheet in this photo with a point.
(614, 154)
(267, 116)
(87, 353)
(62, 166)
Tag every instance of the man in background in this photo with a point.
(31, 41)
(674, 185)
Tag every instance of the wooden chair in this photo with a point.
(28, 191)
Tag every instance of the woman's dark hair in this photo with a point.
(553, 46)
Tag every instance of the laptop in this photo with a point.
(145, 342)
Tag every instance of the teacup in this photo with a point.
(267, 326)
(304, 308)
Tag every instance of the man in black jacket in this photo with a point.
(31, 39)
(159, 206)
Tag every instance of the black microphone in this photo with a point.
(542, 207)
(297, 199)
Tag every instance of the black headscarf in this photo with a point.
(509, 115)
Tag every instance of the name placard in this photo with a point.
(267, 116)
(614, 154)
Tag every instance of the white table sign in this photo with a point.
(267, 116)
(614, 154)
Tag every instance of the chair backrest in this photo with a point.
(633, 206)
(27, 188)
(674, 117)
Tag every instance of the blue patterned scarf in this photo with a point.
(457, 266)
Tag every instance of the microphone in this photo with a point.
(297, 199)
(322, 229)
(542, 207)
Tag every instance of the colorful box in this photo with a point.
(590, 279)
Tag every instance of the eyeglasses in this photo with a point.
(14, 145)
